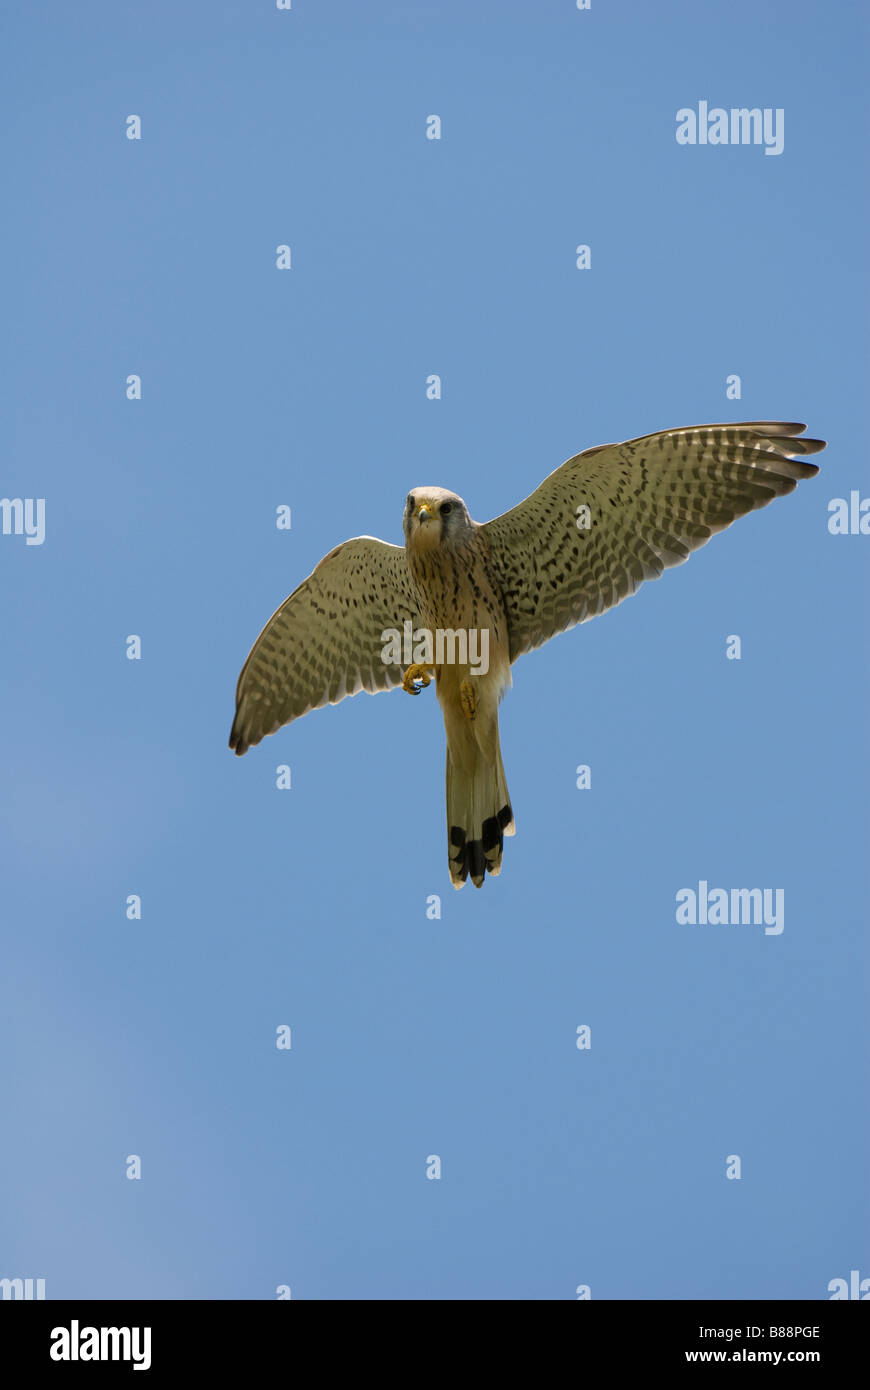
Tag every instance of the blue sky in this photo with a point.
(413, 1037)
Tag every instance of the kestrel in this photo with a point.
(587, 538)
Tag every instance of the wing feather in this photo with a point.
(325, 642)
(651, 501)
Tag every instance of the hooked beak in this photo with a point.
(423, 513)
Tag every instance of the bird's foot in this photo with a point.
(417, 677)
(468, 699)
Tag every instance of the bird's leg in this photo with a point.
(417, 677)
(468, 699)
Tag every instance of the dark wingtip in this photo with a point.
(237, 742)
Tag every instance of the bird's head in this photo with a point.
(435, 517)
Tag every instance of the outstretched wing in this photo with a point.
(614, 516)
(326, 640)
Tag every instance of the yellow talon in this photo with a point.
(468, 699)
(417, 672)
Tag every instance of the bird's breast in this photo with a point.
(456, 590)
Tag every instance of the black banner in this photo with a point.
(214, 1339)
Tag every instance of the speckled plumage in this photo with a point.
(324, 642)
(652, 501)
(523, 577)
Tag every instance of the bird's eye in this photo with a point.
(410, 501)
(446, 508)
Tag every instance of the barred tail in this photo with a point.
(479, 816)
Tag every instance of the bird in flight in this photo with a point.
(460, 601)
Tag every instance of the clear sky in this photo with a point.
(413, 1037)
